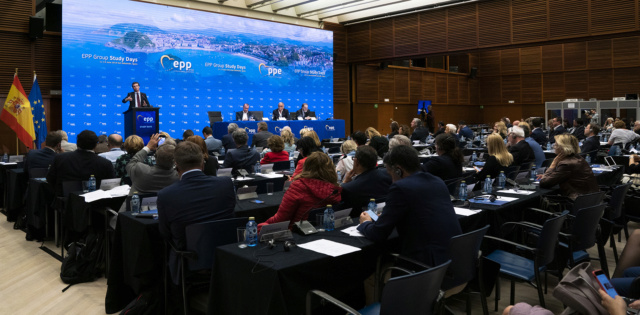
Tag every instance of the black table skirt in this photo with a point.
(3, 181)
(39, 201)
(16, 187)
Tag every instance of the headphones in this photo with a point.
(397, 171)
(288, 245)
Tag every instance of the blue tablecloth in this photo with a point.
(324, 128)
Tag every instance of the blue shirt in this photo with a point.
(537, 151)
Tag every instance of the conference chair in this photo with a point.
(413, 293)
(612, 220)
(515, 267)
(631, 212)
(38, 172)
(464, 251)
(60, 209)
(202, 239)
(281, 166)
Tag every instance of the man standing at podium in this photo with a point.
(136, 98)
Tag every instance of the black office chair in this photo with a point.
(465, 266)
(612, 221)
(202, 240)
(281, 166)
(38, 172)
(414, 293)
(60, 208)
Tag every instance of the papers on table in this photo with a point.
(330, 248)
(270, 175)
(601, 169)
(465, 212)
(352, 231)
(101, 194)
(468, 169)
(8, 163)
(516, 192)
(549, 151)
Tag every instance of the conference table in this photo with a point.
(325, 129)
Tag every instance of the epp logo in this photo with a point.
(174, 63)
(271, 71)
(329, 128)
(145, 119)
(310, 128)
(249, 130)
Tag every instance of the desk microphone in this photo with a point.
(303, 227)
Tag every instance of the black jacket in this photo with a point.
(132, 103)
(276, 114)
(370, 184)
(539, 136)
(522, 153)
(420, 133)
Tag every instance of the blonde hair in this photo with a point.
(497, 148)
(567, 144)
(502, 128)
(348, 146)
(287, 136)
(372, 132)
(133, 144)
(319, 166)
(306, 132)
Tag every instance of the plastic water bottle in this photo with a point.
(339, 177)
(474, 157)
(487, 185)
(135, 203)
(372, 206)
(329, 219)
(221, 150)
(548, 146)
(5, 158)
(92, 183)
(462, 195)
(533, 174)
(588, 158)
(324, 150)
(605, 139)
(257, 168)
(502, 180)
(292, 166)
(251, 232)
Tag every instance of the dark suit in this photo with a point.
(538, 135)
(38, 159)
(554, 132)
(522, 153)
(591, 145)
(144, 102)
(239, 115)
(381, 144)
(228, 143)
(195, 198)
(370, 184)
(443, 166)
(425, 225)
(300, 113)
(420, 133)
(578, 132)
(242, 157)
(276, 114)
(260, 139)
(78, 165)
(466, 132)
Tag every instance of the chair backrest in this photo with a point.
(546, 163)
(414, 293)
(587, 200)
(463, 251)
(281, 166)
(204, 237)
(512, 171)
(522, 177)
(38, 172)
(69, 186)
(257, 115)
(584, 226)
(549, 238)
(617, 199)
(453, 184)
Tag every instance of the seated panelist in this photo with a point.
(280, 113)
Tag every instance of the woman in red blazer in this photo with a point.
(277, 154)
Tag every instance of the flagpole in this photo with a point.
(16, 132)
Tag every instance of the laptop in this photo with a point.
(108, 184)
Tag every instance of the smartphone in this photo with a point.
(161, 141)
(257, 201)
(373, 215)
(604, 282)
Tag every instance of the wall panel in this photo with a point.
(429, 86)
(461, 27)
(511, 86)
(358, 42)
(575, 56)
(531, 89)
(386, 85)
(406, 30)
(553, 87)
(531, 59)
(415, 86)
(489, 63)
(441, 88)
(401, 85)
(490, 91)
(552, 58)
(452, 89)
(510, 61)
(382, 39)
(568, 18)
(626, 51)
(576, 84)
(626, 80)
(601, 84)
(433, 31)
(613, 16)
(494, 23)
(367, 84)
(529, 20)
(599, 54)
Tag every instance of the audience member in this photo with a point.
(537, 133)
(115, 148)
(80, 164)
(405, 131)
(306, 146)
(622, 135)
(289, 140)
(43, 158)
(519, 148)
(377, 141)
(194, 198)
(557, 129)
(464, 131)
(277, 154)
(569, 169)
(242, 157)
(364, 181)
(211, 164)
(399, 140)
(424, 225)
(608, 124)
(538, 153)
(66, 146)
(636, 127)
(591, 144)
(634, 164)
(359, 137)
(227, 140)
(102, 146)
(419, 132)
(499, 159)
(430, 119)
(348, 150)
(501, 129)
(315, 187)
(260, 138)
(395, 128)
(186, 134)
(213, 144)
(146, 178)
(132, 145)
(441, 128)
(306, 132)
(507, 123)
(448, 164)
(578, 128)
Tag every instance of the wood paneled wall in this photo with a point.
(489, 24)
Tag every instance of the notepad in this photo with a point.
(330, 248)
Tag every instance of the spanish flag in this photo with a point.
(17, 113)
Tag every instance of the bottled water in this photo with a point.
(257, 168)
(251, 232)
(222, 151)
(548, 146)
(135, 203)
(502, 180)
(292, 166)
(462, 195)
(372, 205)
(324, 150)
(487, 185)
(474, 157)
(533, 174)
(605, 139)
(92, 183)
(588, 158)
(5, 158)
(339, 177)
(329, 219)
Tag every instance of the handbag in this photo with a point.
(578, 290)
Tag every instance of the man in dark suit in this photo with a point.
(304, 112)
(241, 157)
(195, 198)
(136, 98)
(425, 225)
(557, 129)
(260, 138)
(364, 181)
(578, 128)
(281, 112)
(464, 131)
(227, 140)
(419, 133)
(519, 148)
(245, 114)
(42, 158)
(80, 164)
(537, 134)
(591, 144)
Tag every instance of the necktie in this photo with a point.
(138, 99)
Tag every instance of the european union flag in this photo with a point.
(39, 121)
